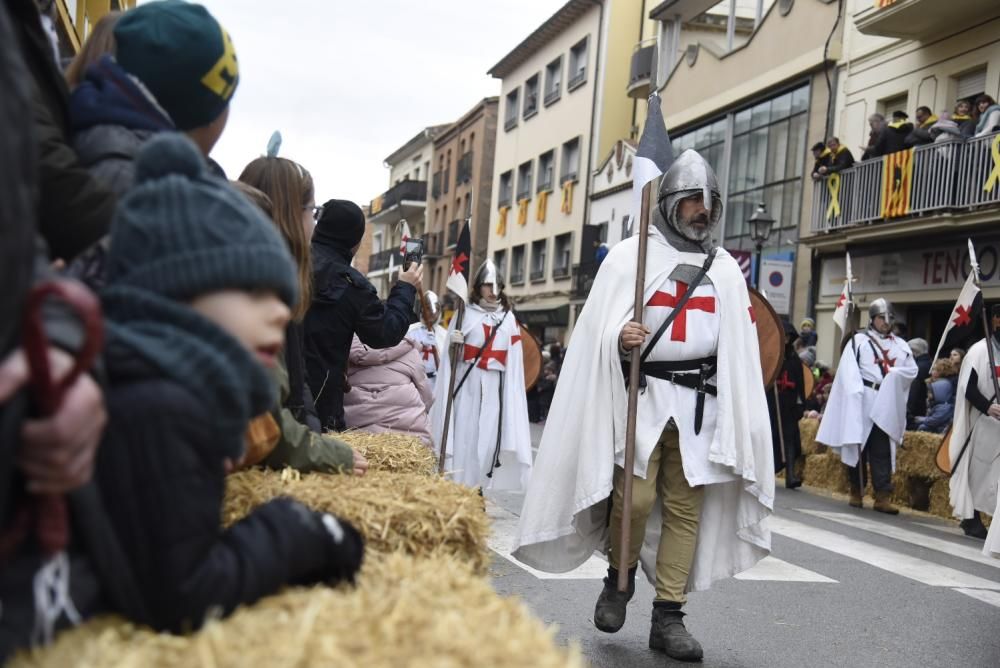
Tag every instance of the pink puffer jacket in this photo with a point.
(389, 390)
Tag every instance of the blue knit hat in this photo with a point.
(180, 232)
(182, 56)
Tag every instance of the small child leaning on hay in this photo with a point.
(200, 290)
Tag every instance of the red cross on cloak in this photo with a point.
(427, 352)
(678, 329)
(785, 382)
(488, 353)
(963, 315)
(886, 362)
(998, 371)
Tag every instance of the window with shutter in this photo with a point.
(971, 84)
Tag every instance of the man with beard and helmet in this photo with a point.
(431, 337)
(866, 414)
(703, 480)
(786, 404)
(976, 430)
(489, 442)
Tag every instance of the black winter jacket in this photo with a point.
(160, 470)
(345, 303)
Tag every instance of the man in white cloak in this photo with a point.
(866, 415)
(489, 441)
(431, 338)
(974, 446)
(704, 475)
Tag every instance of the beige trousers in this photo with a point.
(681, 509)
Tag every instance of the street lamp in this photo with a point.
(760, 230)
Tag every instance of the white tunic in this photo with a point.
(489, 418)
(854, 407)
(432, 347)
(693, 334)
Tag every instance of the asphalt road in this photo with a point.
(843, 588)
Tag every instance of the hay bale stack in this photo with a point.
(807, 429)
(409, 512)
(940, 504)
(916, 456)
(825, 471)
(395, 453)
(404, 612)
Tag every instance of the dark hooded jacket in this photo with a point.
(345, 303)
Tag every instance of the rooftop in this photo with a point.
(564, 17)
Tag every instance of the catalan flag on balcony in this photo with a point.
(502, 221)
(543, 205)
(522, 211)
(897, 180)
(567, 197)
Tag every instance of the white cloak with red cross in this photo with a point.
(489, 418)
(565, 513)
(853, 407)
(975, 428)
(432, 346)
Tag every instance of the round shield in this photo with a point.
(810, 380)
(532, 354)
(770, 337)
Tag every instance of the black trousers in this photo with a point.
(877, 455)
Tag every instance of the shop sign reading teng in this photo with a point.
(944, 268)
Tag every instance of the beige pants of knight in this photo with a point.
(680, 507)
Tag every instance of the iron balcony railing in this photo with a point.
(436, 185)
(409, 190)
(583, 279)
(948, 176)
(380, 261)
(464, 171)
(454, 227)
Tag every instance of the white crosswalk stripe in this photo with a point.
(777, 570)
(984, 595)
(921, 570)
(899, 533)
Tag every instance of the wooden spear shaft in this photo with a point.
(453, 360)
(633, 398)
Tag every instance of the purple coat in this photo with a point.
(389, 390)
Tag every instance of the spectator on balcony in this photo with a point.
(893, 138)
(946, 129)
(877, 124)
(963, 117)
(987, 115)
(344, 304)
(921, 134)
(840, 157)
(821, 157)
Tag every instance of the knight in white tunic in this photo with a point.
(489, 442)
(974, 446)
(866, 415)
(703, 480)
(431, 338)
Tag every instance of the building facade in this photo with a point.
(562, 99)
(77, 17)
(460, 191)
(905, 219)
(406, 199)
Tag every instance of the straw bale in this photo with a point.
(409, 512)
(940, 504)
(396, 453)
(825, 471)
(916, 456)
(404, 612)
(808, 428)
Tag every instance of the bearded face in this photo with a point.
(693, 219)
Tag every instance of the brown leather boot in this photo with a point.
(856, 501)
(883, 505)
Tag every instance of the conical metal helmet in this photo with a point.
(881, 307)
(688, 175)
(488, 274)
(434, 305)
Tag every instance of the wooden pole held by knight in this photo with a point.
(453, 362)
(633, 398)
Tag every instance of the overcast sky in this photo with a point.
(349, 81)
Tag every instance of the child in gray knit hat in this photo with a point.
(199, 291)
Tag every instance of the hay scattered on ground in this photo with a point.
(410, 512)
(916, 456)
(404, 612)
(395, 453)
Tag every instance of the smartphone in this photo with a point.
(414, 252)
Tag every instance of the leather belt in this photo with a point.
(868, 383)
(693, 374)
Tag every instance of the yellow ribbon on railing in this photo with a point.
(522, 212)
(991, 182)
(543, 205)
(567, 197)
(833, 187)
(502, 221)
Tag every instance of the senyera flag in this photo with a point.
(458, 276)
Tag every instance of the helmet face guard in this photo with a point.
(488, 274)
(688, 176)
(434, 306)
(881, 307)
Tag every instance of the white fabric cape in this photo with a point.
(992, 546)
(472, 437)
(564, 518)
(969, 421)
(853, 409)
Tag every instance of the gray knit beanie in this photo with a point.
(181, 233)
